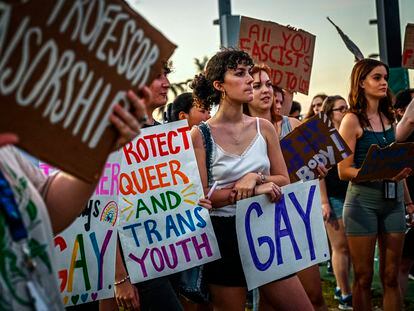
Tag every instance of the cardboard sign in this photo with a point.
(63, 66)
(162, 229)
(289, 53)
(408, 53)
(391, 159)
(85, 251)
(314, 141)
(278, 239)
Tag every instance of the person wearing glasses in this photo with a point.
(333, 191)
(316, 105)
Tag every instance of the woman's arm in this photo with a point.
(406, 126)
(278, 170)
(350, 130)
(326, 207)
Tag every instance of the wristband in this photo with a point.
(262, 177)
(122, 281)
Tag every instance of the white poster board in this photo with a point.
(278, 239)
(162, 229)
(85, 251)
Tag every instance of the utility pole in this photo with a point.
(389, 39)
(389, 34)
(229, 25)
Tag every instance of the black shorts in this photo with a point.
(226, 271)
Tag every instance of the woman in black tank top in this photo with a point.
(368, 217)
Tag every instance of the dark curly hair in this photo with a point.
(357, 100)
(216, 68)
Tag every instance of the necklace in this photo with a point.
(384, 139)
(238, 138)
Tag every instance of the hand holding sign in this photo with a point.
(395, 161)
(128, 123)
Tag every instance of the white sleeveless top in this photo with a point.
(227, 168)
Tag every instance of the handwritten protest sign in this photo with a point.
(162, 229)
(314, 141)
(408, 53)
(391, 159)
(288, 52)
(63, 66)
(85, 251)
(278, 239)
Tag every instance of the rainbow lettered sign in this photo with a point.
(85, 251)
(162, 230)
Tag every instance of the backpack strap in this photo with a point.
(208, 146)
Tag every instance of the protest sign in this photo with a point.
(288, 52)
(391, 159)
(162, 230)
(63, 66)
(278, 239)
(85, 251)
(408, 52)
(314, 141)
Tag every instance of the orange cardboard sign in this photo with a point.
(408, 53)
(288, 52)
(314, 141)
(63, 66)
(385, 163)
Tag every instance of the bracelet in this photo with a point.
(122, 281)
(262, 177)
(409, 203)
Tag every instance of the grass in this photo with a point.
(328, 284)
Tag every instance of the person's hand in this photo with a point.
(8, 139)
(129, 123)
(244, 187)
(404, 173)
(206, 203)
(127, 296)
(271, 189)
(326, 211)
(322, 171)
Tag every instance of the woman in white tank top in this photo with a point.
(245, 160)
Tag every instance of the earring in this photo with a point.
(223, 94)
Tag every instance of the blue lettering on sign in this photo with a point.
(274, 246)
(306, 217)
(281, 212)
(262, 240)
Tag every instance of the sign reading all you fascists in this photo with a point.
(162, 229)
(288, 52)
(63, 65)
(408, 53)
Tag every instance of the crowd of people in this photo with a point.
(239, 148)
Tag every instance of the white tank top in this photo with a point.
(227, 168)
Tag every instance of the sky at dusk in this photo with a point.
(189, 24)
